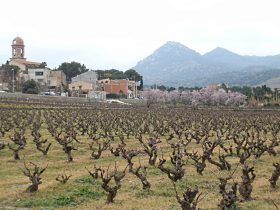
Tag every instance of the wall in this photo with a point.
(21, 66)
(81, 86)
(57, 78)
(89, 76)
(35, 74)
(125, 87)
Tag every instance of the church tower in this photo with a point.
(18, 49)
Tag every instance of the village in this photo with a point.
(19, 70)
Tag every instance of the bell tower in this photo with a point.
(18, 48)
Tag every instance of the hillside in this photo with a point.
(246, 77)
(175, 64)
(272, 83)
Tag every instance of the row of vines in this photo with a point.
(228, 145)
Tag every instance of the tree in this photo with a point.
(171, 89)
(8, 73)
(223, 86)
(114, 74)
(181, 88)
(72, 69)
(111, 74)
(246, 90)
(7, 68)
(43, 65)
(151, 96)
(205, 96)
(30, 87)
(131, 74)
(162, 87)
(140, 87)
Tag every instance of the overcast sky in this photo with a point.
(105, 34)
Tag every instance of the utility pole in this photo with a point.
(135, 91)
(13, 81)
(127, 94)
(135, 95)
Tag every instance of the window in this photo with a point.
(39, 73)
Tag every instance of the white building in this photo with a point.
(41, 75)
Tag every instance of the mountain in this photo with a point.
(245, 77)
(272, 83)
(225, 57)
(168, 61)
(174, 64)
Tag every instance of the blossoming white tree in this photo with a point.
(205, 96)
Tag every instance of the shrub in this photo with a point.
(30, 87)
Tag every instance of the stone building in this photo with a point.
(57, 81)
(54, 80)
(89, 76)
(81, 87)
(40, 75)
(18, 56)
(119, 87)
(83, 83)
(48, 79)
